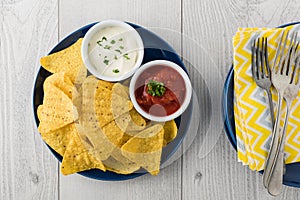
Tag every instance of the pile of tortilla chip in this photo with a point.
(92, 123)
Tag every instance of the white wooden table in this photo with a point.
(30, 28)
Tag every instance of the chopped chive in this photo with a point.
(155, 88)
(116, 58)
(113, 42)
(121, 47)
(99, 43)
(103, 39)
(115, 71)
(126, 56)
(121, 39)
(117, 50)
(106, 62)
(107, 47)
(105, 56)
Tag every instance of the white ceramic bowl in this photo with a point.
(188, 90)
(100, 26)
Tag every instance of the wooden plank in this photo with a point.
(157, 16)
(164, 186)
(279, 13)
(165, 14)
(28, 30)
(212, 23)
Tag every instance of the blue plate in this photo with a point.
(292, 175)
(155, 48)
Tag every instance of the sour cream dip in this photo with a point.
(112, 50)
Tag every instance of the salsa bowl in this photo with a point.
(160, 90)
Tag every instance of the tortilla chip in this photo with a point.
(137, 123)
(77, 158)
(59, 79)
(97, 143)
(79, 75)
(105, 84)
(101, 83)
(97, 103)
(170, 131)
(120, 97)
(59, 139)
(131, 121)
(145, 148)
(77, 99)
(101, 142)
(62, 82)
(57, 110)
(113, 132)
(109, 106)
(68, 60)
(121, 90)
(124, 139)
(116, 166)
(87, 116)
(119, 163)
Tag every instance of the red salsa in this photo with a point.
(160, 90)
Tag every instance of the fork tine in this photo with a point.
(298, 72)
(290, 58)
(258, 60)
(294, 79)
(296, 44)
(262, 52)
(275, 69)
(253, 64)
(266, 58)
(280, 65)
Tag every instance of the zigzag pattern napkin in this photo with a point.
(251, 110)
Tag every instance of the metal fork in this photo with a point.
(289, 71)
(261, 70)
(281, 77)
(262, 75)
(280, 87)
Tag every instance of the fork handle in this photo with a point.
(271, 107)
(276, 177)
(276, 174)
(269, 165)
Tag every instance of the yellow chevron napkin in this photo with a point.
(251, 110)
